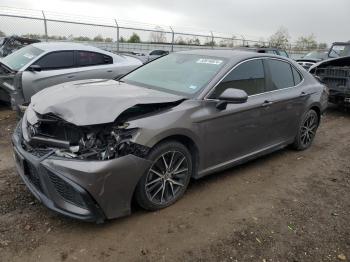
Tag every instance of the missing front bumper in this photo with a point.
(86, 190)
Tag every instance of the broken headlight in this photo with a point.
(105, 143)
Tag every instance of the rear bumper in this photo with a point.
(86, 190)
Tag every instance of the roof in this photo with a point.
(54, 46)
(237, 54)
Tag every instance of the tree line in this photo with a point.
(280, 39)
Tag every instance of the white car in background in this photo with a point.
(41, 65)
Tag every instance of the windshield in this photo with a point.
(340, 51)
(316, 55)
(183, 74)
(21, 57)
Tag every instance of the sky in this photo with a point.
(328, 20)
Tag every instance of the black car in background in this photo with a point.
(312, 58)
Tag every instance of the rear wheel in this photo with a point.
(307, 130)
(167, 179)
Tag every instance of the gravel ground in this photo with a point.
(288, 206)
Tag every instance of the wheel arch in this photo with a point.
(189, 143)
(317, 109)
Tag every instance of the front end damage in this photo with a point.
(335, 74)
(78, 150)
(85, 172)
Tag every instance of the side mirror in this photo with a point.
(231, 96)
(34, 68)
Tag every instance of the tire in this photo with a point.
(307, 130)
(172, 183)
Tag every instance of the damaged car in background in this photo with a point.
(86, 149)
(41, 65)
(335, 73)
(312, 58)
(12, 43)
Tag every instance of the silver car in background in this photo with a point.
(41, 65)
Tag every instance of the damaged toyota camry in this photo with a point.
(87, 149)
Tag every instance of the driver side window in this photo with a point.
(248, 76)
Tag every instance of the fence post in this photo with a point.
(212, 40)
(172, 39)
(116, 23)
(243, 40)
(45, 26)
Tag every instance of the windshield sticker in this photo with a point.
(29, 56)
(209, 61)
(192, 87)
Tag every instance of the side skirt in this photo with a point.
(242, 159)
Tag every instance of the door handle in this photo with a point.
(303, 94)
(267, 103)
(71, 76)
(109, 71)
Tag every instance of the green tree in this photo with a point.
(2, 34)
(196, 42)
(180, 41)
(322, 46)
(98, 38)
(82, 38)
(134, 38)
(280, 39)
(33, 36)
(122, 40)
(108, 40)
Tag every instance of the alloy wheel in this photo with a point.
(167, 177)
(308, 129)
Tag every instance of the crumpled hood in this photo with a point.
(339, 61)
(91, 102)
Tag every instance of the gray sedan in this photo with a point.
(87, 148)
(41, 65)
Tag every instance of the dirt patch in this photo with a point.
(288, 206)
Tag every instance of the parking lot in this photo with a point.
(288, 206)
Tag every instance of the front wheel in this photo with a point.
(307, 130)
(167, 179)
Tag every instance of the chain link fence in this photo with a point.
(112, 34)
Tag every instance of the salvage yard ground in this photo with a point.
(288, 206)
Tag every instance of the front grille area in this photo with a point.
(32, 174)
(335, 77)
(66, 191)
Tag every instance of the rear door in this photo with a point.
(92, 65)
(286, 99)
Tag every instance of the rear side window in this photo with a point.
(281, 74)
(297, 76)
(248, 76)
(57, 60)
(86, 58)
